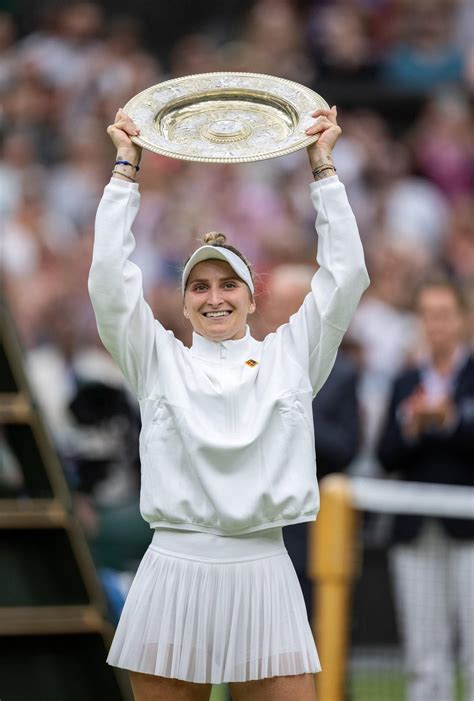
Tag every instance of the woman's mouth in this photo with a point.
(217, 315)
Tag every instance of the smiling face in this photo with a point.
(217, 302)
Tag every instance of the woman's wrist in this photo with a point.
(124, 172)
(324, 173)
(126, 165)
(132, 156)
(320, 158)
(123, 176)
(322, 166)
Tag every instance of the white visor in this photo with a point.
(209, 252)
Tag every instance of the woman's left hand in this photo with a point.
(329, 131)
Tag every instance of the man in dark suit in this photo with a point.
(335, 409)
(429, 437)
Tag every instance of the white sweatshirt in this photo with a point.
(226, 446)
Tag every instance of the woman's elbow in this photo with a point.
(364, 278)
(357, 279)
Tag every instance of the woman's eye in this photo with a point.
(230, 284)
(199, 288)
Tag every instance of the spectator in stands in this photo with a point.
(30, 105)
(458, 254)
(59, 50)
(94, 424)
(18, 158)
(119, 67)
(104, 429)
(273, 41)
(386, 329)
(429, 437)
(7, 50)
(341, 42)
(442, 144)
(426, 55)
(73, 185)
(335, 408)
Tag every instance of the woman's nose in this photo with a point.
(214, 296)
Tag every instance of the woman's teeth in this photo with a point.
(216, 314)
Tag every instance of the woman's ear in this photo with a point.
(252, 306)
(185, 312)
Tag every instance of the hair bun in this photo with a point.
(214, 238)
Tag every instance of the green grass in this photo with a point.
(385, 686)
(219, 693)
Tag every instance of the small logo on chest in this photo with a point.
(251, 363)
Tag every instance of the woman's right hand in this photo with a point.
(120, 132)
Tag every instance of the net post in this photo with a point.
(332, 564)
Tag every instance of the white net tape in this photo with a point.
(397, 497)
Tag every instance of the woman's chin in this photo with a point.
(222, 334)
(216, 336)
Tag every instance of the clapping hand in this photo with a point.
(421, 415)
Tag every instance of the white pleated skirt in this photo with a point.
(211, 609)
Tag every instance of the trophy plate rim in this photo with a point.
(224, 117)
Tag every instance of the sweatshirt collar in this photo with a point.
(218, 351)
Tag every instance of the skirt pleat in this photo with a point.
(214, 622)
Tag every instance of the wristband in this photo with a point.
(126, 163)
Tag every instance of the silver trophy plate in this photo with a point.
(224, 117)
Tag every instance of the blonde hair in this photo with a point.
(214, 238)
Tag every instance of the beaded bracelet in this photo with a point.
(117, 172)
(127, 163)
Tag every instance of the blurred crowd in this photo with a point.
(402, 74)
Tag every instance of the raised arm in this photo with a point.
(314, 333)
(125, 322)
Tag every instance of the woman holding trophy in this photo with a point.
(226, 446)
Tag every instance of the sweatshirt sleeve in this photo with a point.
(314, 333)
(125, 321)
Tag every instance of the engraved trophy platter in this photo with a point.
(224, 117)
